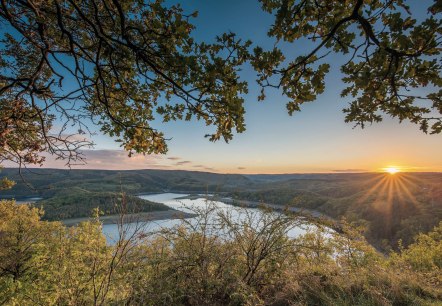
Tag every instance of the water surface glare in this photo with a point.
(173, 200)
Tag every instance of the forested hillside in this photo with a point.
(79, 203)
(391, 207)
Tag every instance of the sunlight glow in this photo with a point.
(391, 170)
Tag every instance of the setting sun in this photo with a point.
(391, 170)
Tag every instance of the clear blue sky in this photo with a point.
(314, 140)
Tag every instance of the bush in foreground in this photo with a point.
(219, 259)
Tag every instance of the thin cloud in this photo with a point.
(184, 162)
(241, 168)
(111, 160)
(174, 158)
(349, 170)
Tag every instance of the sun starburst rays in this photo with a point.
(391, 193)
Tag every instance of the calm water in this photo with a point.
(189, 205)
(28, 200)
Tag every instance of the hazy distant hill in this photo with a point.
(47, 182)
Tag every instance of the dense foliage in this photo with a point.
(117, 64)
(5, 183)
(389, 57)
(253, 263)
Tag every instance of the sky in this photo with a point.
(315, 140)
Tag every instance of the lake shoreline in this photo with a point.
(255, 204)
(170, 214)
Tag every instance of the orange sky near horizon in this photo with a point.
(118, 160)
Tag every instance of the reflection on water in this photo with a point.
(30, 200)
(188, 205)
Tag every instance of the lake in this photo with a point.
(178, 202)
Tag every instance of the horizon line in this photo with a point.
(236, 173)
